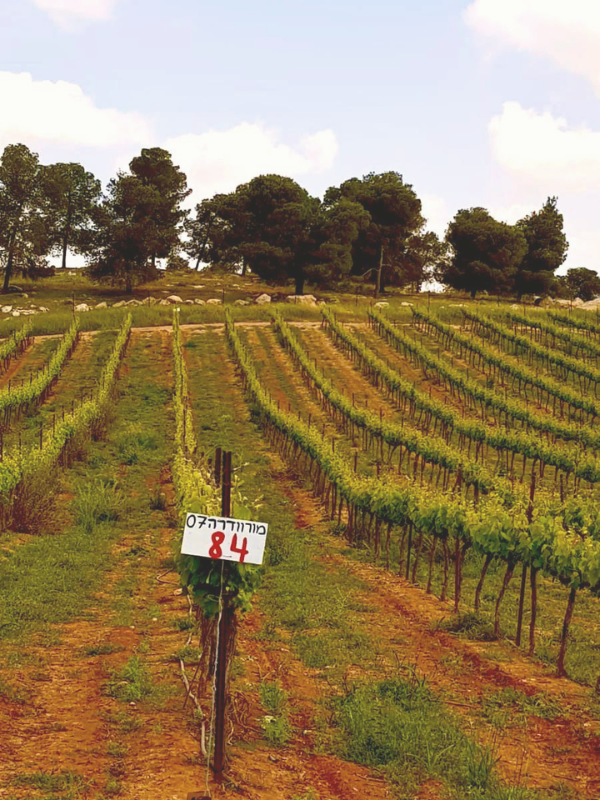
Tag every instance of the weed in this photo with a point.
(158, 499)
(101, 649)
(511, 706)
(65, 781)
(97, 502)
(276, 725)
(272, 697)
(134, 441)
(184, 623)
(116, 749)
(277, 730)
(132, 683)
(124, 722)
(470, 625)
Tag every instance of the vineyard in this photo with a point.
(426, 620)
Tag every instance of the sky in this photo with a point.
(491, 103)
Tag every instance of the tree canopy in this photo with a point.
(486, 254)
(546, 249)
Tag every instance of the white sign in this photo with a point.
(226, 539)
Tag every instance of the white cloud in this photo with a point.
(67, 12)
(61, 113)
(565, 31)
(544, 150)
(218, 161)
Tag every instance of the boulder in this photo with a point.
(149, 301)
(302, 299)
(6, 309)
(133, 302)
(16, 313)
(173, 298)
(164, 303)
(381, 304)
(241, 303)
(591, 304)
(189, 302)
(577, 302)
(214, 301)
(120, 304)
(103, 304)
(43, 309)
(198, 286)
(406, 303)
(82, 307)
(262, 299)
(199, 302)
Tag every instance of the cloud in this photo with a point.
(218, 161)
(544, 150)
(61, 113)
(67, 12)
(566, 32)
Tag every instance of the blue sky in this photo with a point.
(474, 102)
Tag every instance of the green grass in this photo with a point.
(512, 707)
(400, 727)
(276, 724)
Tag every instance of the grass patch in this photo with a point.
(512, 707)
(469, 626)
(97, 502)
(65, 781)
(276, 725)
(132, 683)
(400, 727)
(101, 649)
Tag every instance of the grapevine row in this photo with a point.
(565, 365)
(197, 492)
(569, 340)
(536, 537)
(13, 401)
(585, 467)
(15, 344)
(579, 323)
(425, 448)
(16, 469)
(547, 388)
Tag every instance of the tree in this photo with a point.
(424, 258)
(485, 253)
(22, 235)
(71, 194)
(274, 227)
(546, 249)
(395, 214)
(580, 282)
(125, 237)
(155, 169)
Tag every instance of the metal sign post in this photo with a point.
(224, 539)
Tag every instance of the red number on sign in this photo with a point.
(218, 538)
(243, 551)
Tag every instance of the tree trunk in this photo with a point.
(486, 565)
(300, 281)
(379, 271)
(533, 582)
(560, 664)
(64, 252)
(521, 605)
(9, 267)
(244, 266)
(507, 576)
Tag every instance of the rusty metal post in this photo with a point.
(218, 452)
(224, 634)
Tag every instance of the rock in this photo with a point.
(6, 309)
(164, 303)
(173, 298)
(82, 307)
(16, 289)
(302, 299)
(43, 309)
(262, 299)
(241, 303)
(214, 301)
(120, 304)
(406, 303)
(149, 301)
(591, 304)
(133, 302)
(381, 304)
(198, 286)
(27, 312)
(189, 302)
(199, 302)
(103, 304)
(577, 302)
(16, 314)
